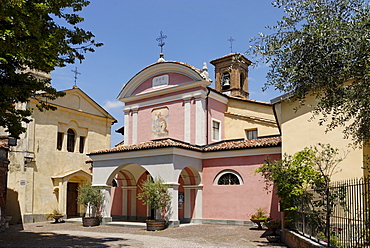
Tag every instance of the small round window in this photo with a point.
(228, 177)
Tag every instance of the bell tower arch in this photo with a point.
(231, 75)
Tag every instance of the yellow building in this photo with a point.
(299, 130)
(50, 161)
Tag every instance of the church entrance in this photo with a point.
(72, 199)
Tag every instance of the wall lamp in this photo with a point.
(28, 159)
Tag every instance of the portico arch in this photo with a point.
(124, 202)
(190, 195)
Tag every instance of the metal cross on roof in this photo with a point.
(76, 73)
(160, 40)
(231, 43)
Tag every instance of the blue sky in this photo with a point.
(197, 31)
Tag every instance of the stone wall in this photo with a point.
(295, 240)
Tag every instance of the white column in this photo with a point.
(200, 118)
(134, 125)
(127, 126)
(187, 117)
(199, 202)
(173, 213)
(106, 206)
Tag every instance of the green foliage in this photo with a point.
(303, 181)
(54, 214)
(291, 175)
(90, 197)
(31, 39)
(154, 193)
(294, 175)
(321, 48)
(260, 214)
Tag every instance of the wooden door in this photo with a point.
(72, 199)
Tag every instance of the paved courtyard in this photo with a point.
(48, 234)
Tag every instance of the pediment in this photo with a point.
(76, 99)
(159, 76)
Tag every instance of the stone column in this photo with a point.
(106, 206)
(172, 213)
(198, 201)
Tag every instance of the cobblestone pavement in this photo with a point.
(48, 234)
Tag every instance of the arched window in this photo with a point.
(228, 177)
(71, 138)
(242, 81)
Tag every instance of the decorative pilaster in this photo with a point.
(134, 125)
(200, 118)
(187, 116)
(127, 126)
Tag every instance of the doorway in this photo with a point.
(72, 200)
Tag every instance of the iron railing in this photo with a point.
(336, 216)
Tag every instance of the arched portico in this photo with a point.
(119, 176)
(190, 195)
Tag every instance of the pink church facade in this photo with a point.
(174, 128)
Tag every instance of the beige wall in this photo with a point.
(245, 115)
(299, 131)
(41, 187)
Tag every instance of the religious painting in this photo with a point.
(159, 122)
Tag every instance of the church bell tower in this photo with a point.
(231, 75)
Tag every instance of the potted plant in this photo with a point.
(259, 217)
(92, 199)
(272, 225)
(155, 195)
(56, 215)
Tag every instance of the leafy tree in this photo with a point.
(91, 198)
(305, 178)
(32, 40)
(291, 175)
(321, 48)
(154, 194)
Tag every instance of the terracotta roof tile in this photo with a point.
(220, 146)
(244, 144)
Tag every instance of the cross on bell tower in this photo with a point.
(231, 40)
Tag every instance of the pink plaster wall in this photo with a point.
(175, 118)
(216, 110)
(175, 121)
(174, 79)
(235, 202)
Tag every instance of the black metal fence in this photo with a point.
(336, 216)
